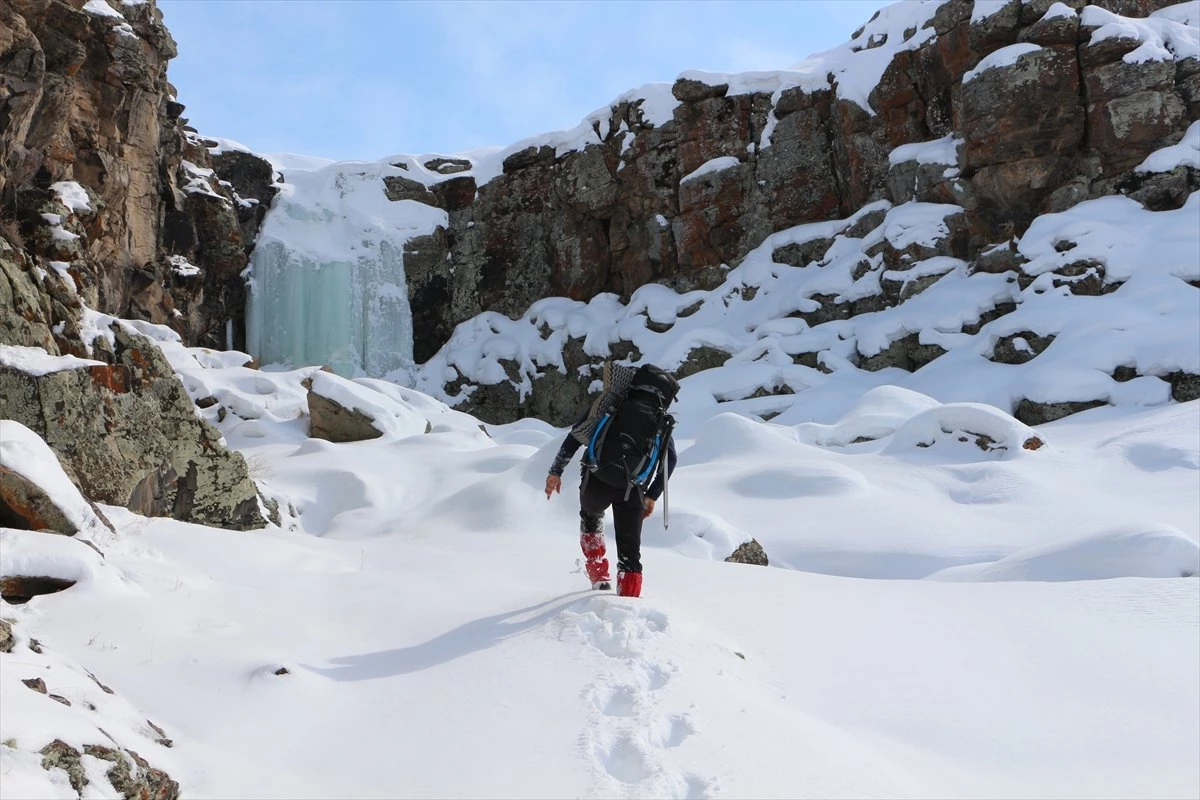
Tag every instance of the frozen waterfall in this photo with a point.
(326, 279)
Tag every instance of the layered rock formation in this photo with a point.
(128, 434)
(1064, 117)
(155, 236)
(108, 203)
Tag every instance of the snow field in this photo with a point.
(476, 666)
(992, 620)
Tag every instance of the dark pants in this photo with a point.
(595, 496)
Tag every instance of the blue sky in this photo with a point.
(363, 79)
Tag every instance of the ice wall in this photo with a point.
(326, 279)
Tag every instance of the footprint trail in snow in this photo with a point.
(632, 738)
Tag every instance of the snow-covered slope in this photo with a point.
(421, 627)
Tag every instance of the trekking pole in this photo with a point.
(665, 465)
(666, 503)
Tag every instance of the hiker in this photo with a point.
(623, 467)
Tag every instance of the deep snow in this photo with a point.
(931, 624)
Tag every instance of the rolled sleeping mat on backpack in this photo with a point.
(617, 379)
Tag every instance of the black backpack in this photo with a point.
(629, 441)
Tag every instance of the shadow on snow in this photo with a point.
(468, 638)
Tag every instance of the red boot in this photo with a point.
(596, 565)
(629, 584)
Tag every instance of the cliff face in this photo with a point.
(1064, 117)
(1066, 125)
(108, 204)
(86, 99)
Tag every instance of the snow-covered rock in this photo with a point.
(953, 427)
(341, 410)
(36, 493)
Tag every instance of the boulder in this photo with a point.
(1020, 347)
(925, 183)
(397, 187)
(19, 589)
(333, 422)
(448, 166)
(750, 552)
(35, 492)
(1000, 124)
(1185, 386)
(905, 353)
(699, 359)
(1032, 412)
(1132, 109)
(690, 90)
(131, 775)
(127, 434)
(493, 403)
(24, 505)
(341, 410)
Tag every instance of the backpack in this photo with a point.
(628, 441)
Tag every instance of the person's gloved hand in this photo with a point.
(647, 507)
(553, 484)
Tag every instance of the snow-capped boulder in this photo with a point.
(1130, 83)
(1001, 125)
(126, 430)
(341, 410)
(965, 428)
(926, 171)
(32, 564)
(878, 413)
(35, 492)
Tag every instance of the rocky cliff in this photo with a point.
(1065, 116)
(86, 100)
(109, 207)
